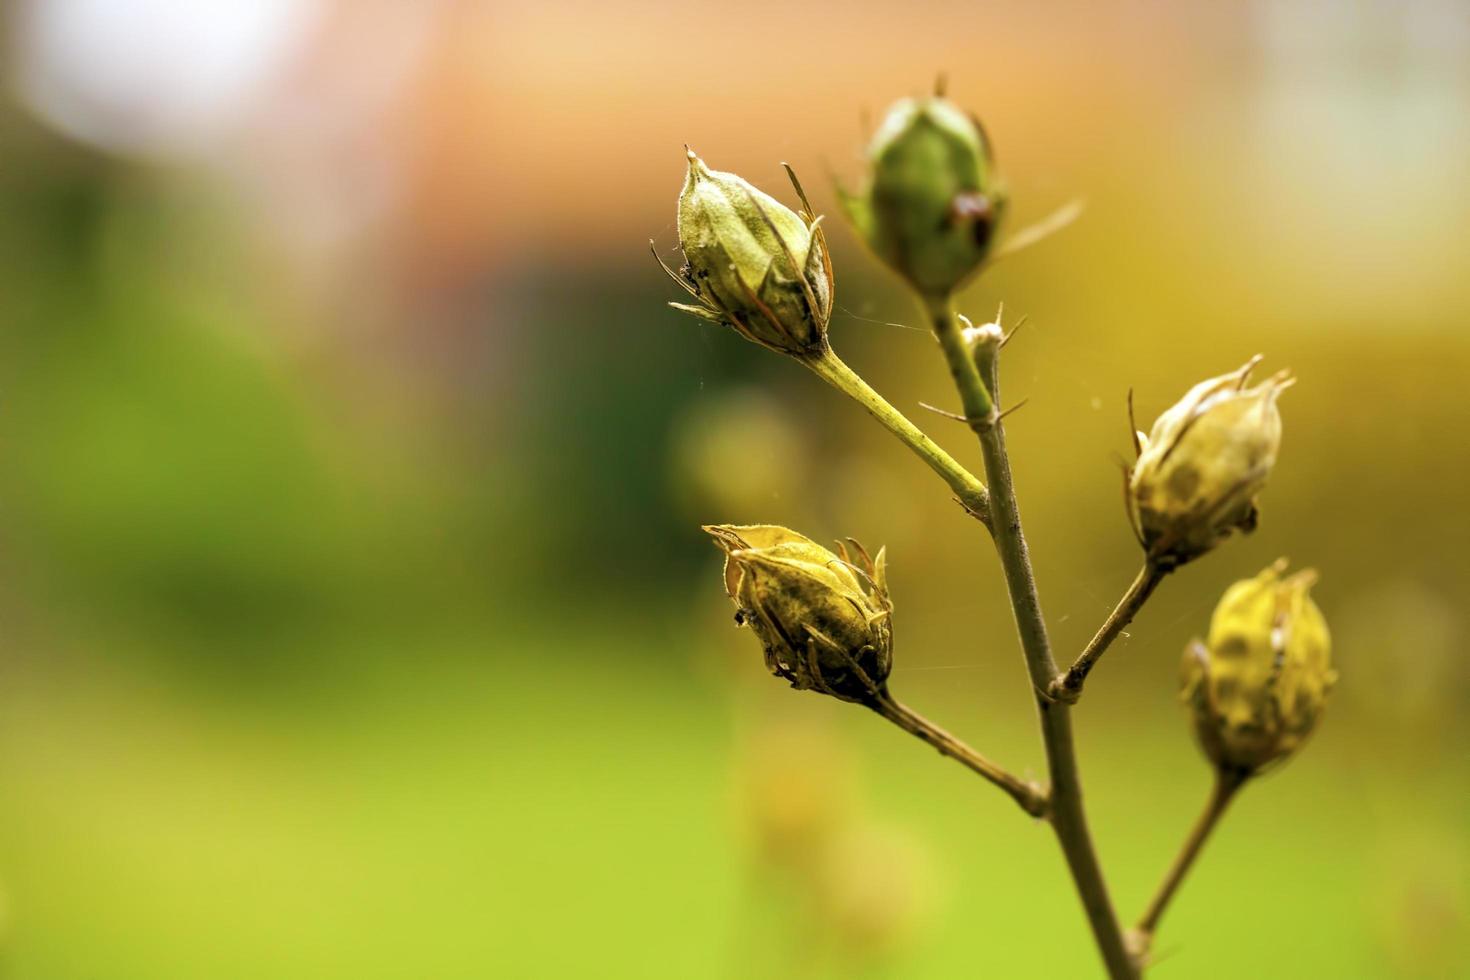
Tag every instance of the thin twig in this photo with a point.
(1067, 816)
(1068, 686)
(970, 492)
(1031, 797)
(1226, 786)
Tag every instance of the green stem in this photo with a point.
(1226, 785)
(1031, 797)
(1068, 818)
(970, 491)
(1068, 687)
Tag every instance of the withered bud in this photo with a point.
(1258, 685)
(752, 263)
(1199, 470)
(823, 619)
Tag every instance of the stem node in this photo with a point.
(1067, 686)
(969, 491)
(1027, 794)
(1068, 819)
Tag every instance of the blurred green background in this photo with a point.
(355, 619)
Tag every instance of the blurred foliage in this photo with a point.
(386, 644)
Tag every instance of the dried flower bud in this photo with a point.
(753, 263)
(1199, 470)
(932, 201)
(822, 618)
(1258, 685)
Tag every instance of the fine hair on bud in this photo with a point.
(753, 264)
(1201, 466)
(823, 618)
(1257, 684)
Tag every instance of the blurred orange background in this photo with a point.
(356, 619)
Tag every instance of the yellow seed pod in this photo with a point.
(823, 619)
(1259, 683)
(752, 263)
(1200, 468)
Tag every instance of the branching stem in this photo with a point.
(1068, 686)
(970, 492)
(1030, 797)
(1067, 816)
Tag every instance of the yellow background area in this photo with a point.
(355, 619)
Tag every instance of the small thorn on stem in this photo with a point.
(940, 411)
(1014, 408)
(1025, 319)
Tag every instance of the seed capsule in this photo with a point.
(1199, 470)
(932, 201)
(1258, 685)
(822, 618)
(752, 263)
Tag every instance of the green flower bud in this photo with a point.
(753, 263)
(1199, 470)
(1259, 684)
(932, 201)
(823, 618)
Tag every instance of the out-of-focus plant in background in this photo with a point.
(354, 621)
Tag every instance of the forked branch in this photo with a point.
(1068, 817)
(1068, 686)
(968, 490)
(1031, 797)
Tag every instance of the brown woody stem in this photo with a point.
(1068, 686)
(1028, 795)
(1226, 786)
(1067, 815)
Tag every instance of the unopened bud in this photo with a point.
(822, 618)
(752, 263)
(1199, 470)
(1258, 685)
(932, 201)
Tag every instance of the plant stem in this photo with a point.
(1028, 795)
(967, 488)
(1068, 687)
(1226, 785)
(1067, 816)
